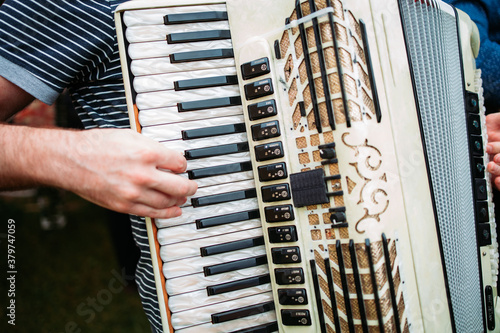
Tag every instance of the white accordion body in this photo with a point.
(339, 148)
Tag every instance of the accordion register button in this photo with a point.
(259, 89)
(265, 130)
(282, 234)
(277, 192)
(279, 213)
(286, 255)
(296, 317)
(292, 296)
(255, 68)
(272, 172)
(285, 276)
(269, 151)
(261, 110)
(472, 102)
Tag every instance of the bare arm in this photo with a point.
(117, 169)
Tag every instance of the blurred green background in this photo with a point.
(69, 278)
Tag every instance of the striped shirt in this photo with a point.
(47, 46)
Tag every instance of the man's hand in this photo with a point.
(493, 147)
(117, 169)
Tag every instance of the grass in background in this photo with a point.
(69, 279)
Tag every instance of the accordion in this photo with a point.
(339, 150)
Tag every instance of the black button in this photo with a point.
(255, 68)
(296, 317)
(259, 89)
(476, 145)
(474, 124)
(262, 110)
(269, 151)
(279, 213)
(484, 234)
(481, 189)
(286, 255)
(482, 212)
(478, 167)
(277, 192)
(285, 276)
(292, 296)
(266, 130)
(272, 172)
(282, 234)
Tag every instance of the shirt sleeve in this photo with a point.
(47, 45)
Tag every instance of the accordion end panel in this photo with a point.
(320, 208)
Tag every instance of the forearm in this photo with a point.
(117, 169)
(34, 156)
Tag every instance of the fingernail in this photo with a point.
(496, 158)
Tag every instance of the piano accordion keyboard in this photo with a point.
(213, 256)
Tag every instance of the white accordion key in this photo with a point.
(162, 49)
(192, 247)
(168, 81)
(204, 314)
(174, 131)
(162, 65)
(156, 15)
(191, 214)
(169, 115)
(231, 326)
(193, 265)
(199, 281)
(149, 33)
(187, 232)
(185, 301)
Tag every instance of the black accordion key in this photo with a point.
(232, 246)
(207, 132)
(198, 36)
(219, 170)
(238, 285)
(194, 17)
(242, 312)
(265, 328)
(223, 197)
(234, 265)
(206, 82)
(209, 104)
(203, 55)
(226, 219)
(232, 148)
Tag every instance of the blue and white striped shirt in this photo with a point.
(47, 46)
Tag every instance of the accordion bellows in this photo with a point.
(339, 150)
